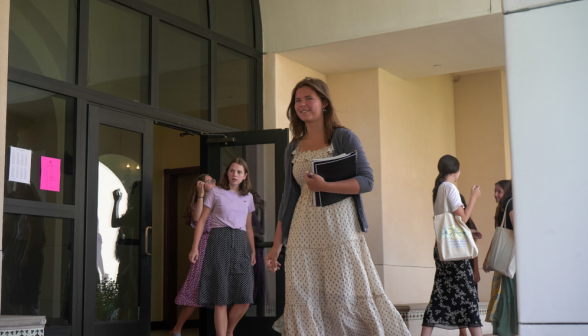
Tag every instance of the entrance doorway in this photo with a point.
(138, 182)
(117, 276)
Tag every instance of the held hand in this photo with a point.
(200, 188)
(253, 259)
(117, 194)
(476, 234)
(193, 256)
(271, 260)
(476, 192)
(314, 182)
(485, 266)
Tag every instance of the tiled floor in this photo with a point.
(185, 332)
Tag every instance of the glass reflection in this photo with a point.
(43, 37)
(234, 18)
(183, 72)
(118, 51)
(36, 266)
(235, 89)
(119, 209)
(43, 122)
(193, 10)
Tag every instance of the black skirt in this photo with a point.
(454, 300)
(227, 274)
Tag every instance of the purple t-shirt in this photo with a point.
(228, 208)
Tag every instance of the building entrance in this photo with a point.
(117, 272)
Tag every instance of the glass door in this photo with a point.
(264, 153)
(117, 279)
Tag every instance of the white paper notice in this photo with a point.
(20, 165)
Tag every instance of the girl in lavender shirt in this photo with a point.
(227, 272)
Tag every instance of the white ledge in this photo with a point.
(12, 322)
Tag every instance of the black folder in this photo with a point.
(333, 169)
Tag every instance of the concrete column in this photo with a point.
(4, 19)
(547, 75)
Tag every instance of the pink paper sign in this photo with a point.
(50, 173)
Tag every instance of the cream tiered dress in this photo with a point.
(332, 287)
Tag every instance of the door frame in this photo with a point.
(170, 248)
(98, 115)
(210, 158)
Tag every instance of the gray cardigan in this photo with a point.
(344, 141)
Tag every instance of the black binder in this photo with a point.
(332, 169)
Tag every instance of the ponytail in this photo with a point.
(447, 165)
(440, 179)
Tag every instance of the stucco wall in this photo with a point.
(291, 25)
(417, 128)
(481, 150)
(356, 97)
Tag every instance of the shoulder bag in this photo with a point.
(454, 238)
(502, 253)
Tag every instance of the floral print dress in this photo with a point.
(332, 286)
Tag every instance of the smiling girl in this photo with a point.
(227, 272)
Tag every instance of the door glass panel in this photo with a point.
(119, 209)
(43, 122)
(43, 37)
(261, 162)
(37, 267)
(234, 18)
(193, 10)
(235, 89)
(118, 51)
(183, 72)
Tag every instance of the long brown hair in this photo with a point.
(500, 209)
(245, 186)
(193, 191)
(330, 120)
(447, 165)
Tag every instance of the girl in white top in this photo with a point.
(454, 299)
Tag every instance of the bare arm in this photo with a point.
(271, 259)
(467, 213)
(249, 228)
(199, 201)
(511, 216)
(193, 256)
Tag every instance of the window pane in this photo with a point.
(118, 51)
(183, 72)
(235, 89)
(193, 10)
(43, 37)
(119, 211)
(43, 122)
(234, 18)
(36, 267)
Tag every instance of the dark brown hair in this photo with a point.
(245, 186)
(331, 122)
(447, 165)
(501, 205)
(193, 191)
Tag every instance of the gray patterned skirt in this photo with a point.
(227, 274)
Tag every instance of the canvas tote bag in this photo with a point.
(502, 253)
(454, 238)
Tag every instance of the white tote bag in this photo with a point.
(502, 254)
(454, 238)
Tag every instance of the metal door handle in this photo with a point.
(147, 240)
